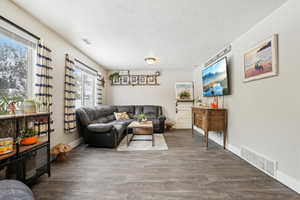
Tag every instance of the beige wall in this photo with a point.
(264, 115)
(163, 95)
(59, 48)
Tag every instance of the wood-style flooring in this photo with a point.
(187, 171)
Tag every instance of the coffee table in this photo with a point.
(147, 125)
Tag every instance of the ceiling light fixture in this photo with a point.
(151, 60)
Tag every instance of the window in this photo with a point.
(17, 58)
(85, 83)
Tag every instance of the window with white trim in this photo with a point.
(85, 83)
(17, 61)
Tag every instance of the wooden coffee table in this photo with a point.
(147, 125)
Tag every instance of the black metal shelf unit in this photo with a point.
(28, 162)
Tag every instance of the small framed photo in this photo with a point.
(116, 81)
(124, 80)
(142, 79)
(151, 80)
(134, 79)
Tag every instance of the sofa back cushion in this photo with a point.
(150, 110)
(104, 111)
(85, 115)
(111, 117)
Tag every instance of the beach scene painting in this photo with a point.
(215, 80)
(261, 61)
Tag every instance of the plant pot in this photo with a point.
(29, 140)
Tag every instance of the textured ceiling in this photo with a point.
(182, 33)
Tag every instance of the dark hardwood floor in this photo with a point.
(187, 171)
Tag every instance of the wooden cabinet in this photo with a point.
(210, 120)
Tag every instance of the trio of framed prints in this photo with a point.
(135, 80)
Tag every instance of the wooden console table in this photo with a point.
(209, 119)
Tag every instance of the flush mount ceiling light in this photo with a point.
(151, 60)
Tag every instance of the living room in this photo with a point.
(149, 100)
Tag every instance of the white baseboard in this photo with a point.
(288, 181)
(76, 143)
(283, 178)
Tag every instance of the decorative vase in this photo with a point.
(29, 106)
(29, 140)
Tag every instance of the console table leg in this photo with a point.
(127, 136)
(206, 136)
(153, 139)
(224, 139)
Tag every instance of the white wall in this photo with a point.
(59, 48)
(163, 95)
(264, 115)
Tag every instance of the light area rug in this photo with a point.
(160, 143)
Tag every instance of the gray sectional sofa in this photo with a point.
(99, 127)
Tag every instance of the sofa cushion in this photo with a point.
(138, 110)
(91, 112)
(100, 120)
(83, 117)
(110, 117)
(150, 110)
(151, 116)
(125, 122)
(104, 110)
(100, 127)
(121, 115)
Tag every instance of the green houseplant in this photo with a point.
(142, 117)
(114, 75)
(6, 101)
(185, 95)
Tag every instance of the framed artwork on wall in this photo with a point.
(142, 79)
(151, 80)
(262, 60)
(134, 79)
(124, 80)
(116, 80)
(184, 91)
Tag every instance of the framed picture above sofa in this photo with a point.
(125, 80)
(134, 79)
(142, 80)
(138, 78)
(151, 80)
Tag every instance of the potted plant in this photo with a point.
(185, 95)
(114, 75)
(28, 136)
(10, 104)
(142, 117)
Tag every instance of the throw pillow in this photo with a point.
(121, 115)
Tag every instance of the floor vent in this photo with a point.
(261, 162)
